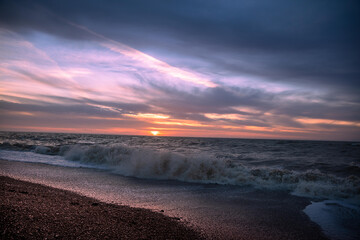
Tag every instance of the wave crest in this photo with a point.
(166, 165)
(201, 168)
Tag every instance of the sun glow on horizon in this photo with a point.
(154, 133)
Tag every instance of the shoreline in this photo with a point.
(32, 211)
(251, 214)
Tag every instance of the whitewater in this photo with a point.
(326, 174)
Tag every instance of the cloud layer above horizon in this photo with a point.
(251, 69)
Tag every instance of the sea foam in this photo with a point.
(203, 168)
(142, 162)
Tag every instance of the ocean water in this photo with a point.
(326, 175)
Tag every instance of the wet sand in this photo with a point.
(33, 211)
(219, 212)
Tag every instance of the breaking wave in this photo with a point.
(166, 165)
(203, 168)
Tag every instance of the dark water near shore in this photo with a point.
(327, 173)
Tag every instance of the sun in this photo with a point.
(154, 133)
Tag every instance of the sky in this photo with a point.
(221, 68)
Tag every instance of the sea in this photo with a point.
(226, 188)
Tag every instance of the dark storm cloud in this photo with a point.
(302, 42)
(276, 25)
